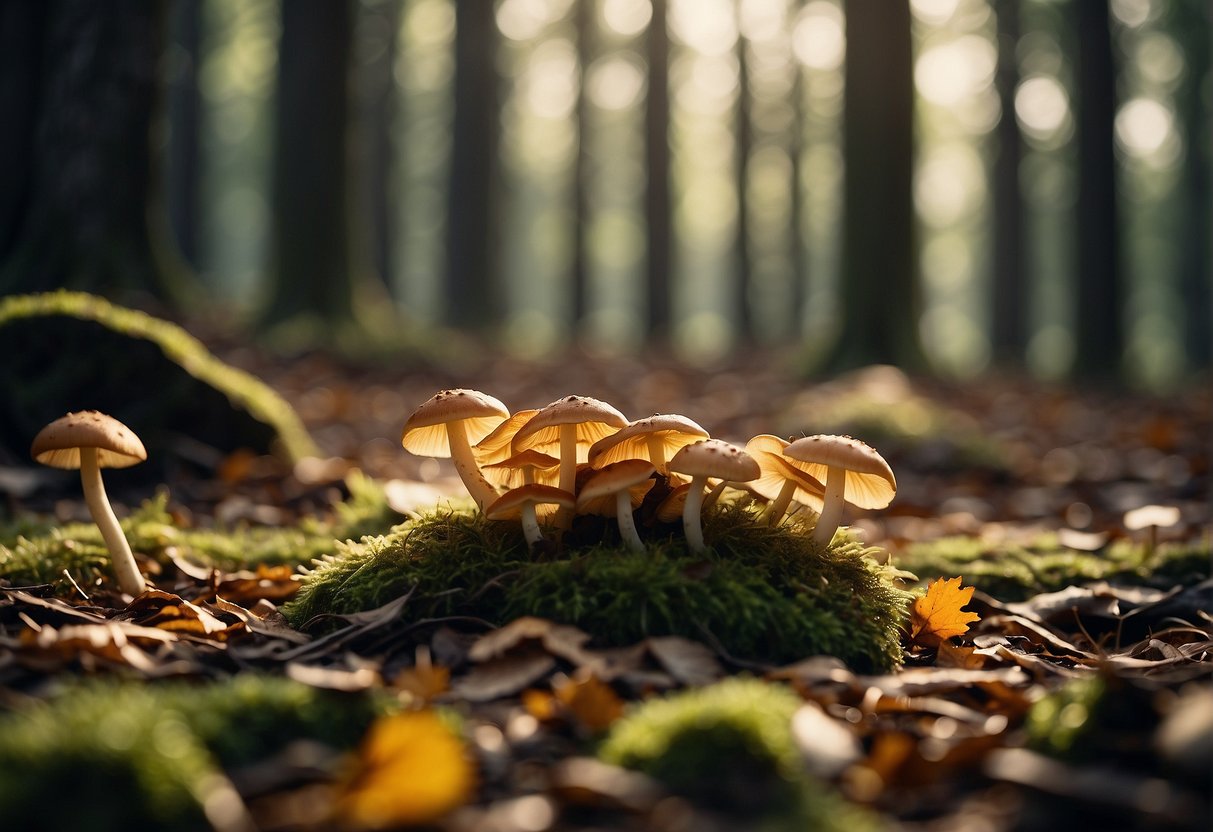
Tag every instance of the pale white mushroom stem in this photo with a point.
(482, 490)
(627, 523)
(831, 512)
(778, 507)
(130, 580)
(691, 525)
(530, 524)
(568, 472)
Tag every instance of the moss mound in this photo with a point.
(39, 552)
(1017, 571)
(762, 592)
(140, 756)
(730, 745)
(108, 358)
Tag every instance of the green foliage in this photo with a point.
(1017, 571)
(122, 755)
(730, 745)
(761, 591)
(1057, 722)
(103, 356)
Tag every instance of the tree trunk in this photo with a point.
(879, 293)
(379, 26)
(184, 104)
(78, 89)
(798, 258)
(1098, 325)
(658, 219)
(743, 279)
(310, 275)
(1009, 294)
(583, 26)
(472, 291)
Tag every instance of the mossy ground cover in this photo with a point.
(760, 592)
(1017, 571)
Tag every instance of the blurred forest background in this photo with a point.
(944, 185)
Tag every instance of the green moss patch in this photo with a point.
(146, 372)
(110, 755)
(730, 745)
(761, 592)
(1017, 571)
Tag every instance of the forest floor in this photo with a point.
(1067, 700)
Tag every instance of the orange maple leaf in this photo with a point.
(937, 615)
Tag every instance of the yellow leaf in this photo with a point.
(594, 704)
(937, 615)
(424, 680)
(412, 770)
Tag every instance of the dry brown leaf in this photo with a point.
(504, 676)
(424, 681)
(690, 662)
(592, 703)
(938, 615)
(166, 611)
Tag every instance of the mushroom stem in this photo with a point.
(778, 507)
(627, 523)
(530, 524)
(657, 454)
(482, 490)
(568, 472)
(712, 496)
(831, 512)
(130, 580)
(691, 525)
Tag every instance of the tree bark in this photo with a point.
(184, 110)
(659, 222)
(1098, 326)
(310, 274)
(879, 293)
(798, 292)
(583, 26)
(472, 291)
(743, 279)
(379, 29)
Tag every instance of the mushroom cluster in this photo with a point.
(579, 455)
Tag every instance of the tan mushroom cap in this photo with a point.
(497, 446)
(870, 481)
(714, 458)
(1151, 515)
(509, 504)
(632, 442)
(777, 469)
(594, 420)
(510, 473)
(58, 444)
(633, 474)
(425, 432)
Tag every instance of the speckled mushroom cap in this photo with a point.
(632, 442)
(594, 420)
(425, 433)
(509, 504)
(497, 446)
(58, 444)
(714, 458)
(870, 481)
(777, 469)
(605, 483)
(510, 473)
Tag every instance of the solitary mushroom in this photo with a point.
(1151, 518)
(90, 441)
(570, 426)
(852, 471)
(654, 438)
(522, 501)
(708, 458)
(615, 481)
(783, 479)
(446, 425)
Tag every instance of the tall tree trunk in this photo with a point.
(879, 293)
(1010, 291)
(379, 28)
(658, 219)
(472, 291)
(310, 275)
(184, 105)
(583, 26)
(798, 292)
(77, 168)
(744, 278)
(1098, 326)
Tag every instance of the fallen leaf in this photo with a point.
(424, 680)
(412, 770)
(938, 615)
(690, 662)
(593, 703)
(504, 676)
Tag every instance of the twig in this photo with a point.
(83, 594)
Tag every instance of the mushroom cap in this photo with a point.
(425, 432)
(777, 469)
(632, 441)
(870, 481)
(510, 472)
(58, 444)
(1151, 515)
(496, 447)
(714, 458)
(613, 478)
(509, 504)
(594, 420)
